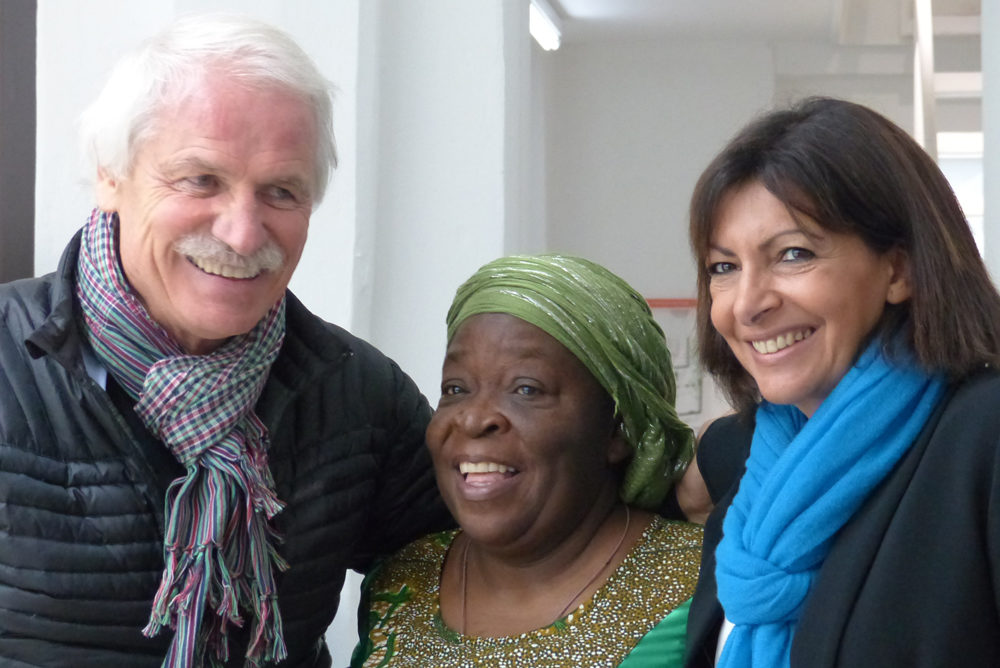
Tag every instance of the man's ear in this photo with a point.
(900, 288)
(108, 189)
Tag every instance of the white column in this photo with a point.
(991, 136)
(924, 110)
(449, 78)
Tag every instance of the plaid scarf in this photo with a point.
(219, 548)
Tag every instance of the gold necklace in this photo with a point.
(465, 569)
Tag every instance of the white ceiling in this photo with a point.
(794, 20)
(871, 39)
(637, 19)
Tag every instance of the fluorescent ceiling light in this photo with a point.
(542, 24)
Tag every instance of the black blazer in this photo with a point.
(913, 579)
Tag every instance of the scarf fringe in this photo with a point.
(199, 570)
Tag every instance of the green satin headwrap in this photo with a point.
(610, 328)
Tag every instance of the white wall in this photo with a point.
(631, 126)
(66, 83)
(877, 77)
(444, 160)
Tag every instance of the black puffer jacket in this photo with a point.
(82, 484)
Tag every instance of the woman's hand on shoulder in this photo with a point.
(692, 493)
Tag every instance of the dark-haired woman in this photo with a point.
(845, 309)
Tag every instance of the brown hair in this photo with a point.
(853, 171)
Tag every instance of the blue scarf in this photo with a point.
(804, 480)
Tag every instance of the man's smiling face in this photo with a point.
(215, 209)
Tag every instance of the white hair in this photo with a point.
(164, 67)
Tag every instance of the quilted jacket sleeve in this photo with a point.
(407, 503)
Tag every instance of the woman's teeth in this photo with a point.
(484, 467)
(781, 342)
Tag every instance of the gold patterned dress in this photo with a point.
(636, 619)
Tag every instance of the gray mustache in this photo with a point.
(206, 248)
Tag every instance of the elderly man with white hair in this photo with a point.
(189, 459)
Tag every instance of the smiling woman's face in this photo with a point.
(524, 438)
(793, 300)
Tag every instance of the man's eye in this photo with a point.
(527, 390)
(280, 193)
(450, 390)
(280, 197)
(202, 181)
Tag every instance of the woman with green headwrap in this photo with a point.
(554, 440)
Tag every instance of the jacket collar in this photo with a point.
(60, 335)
